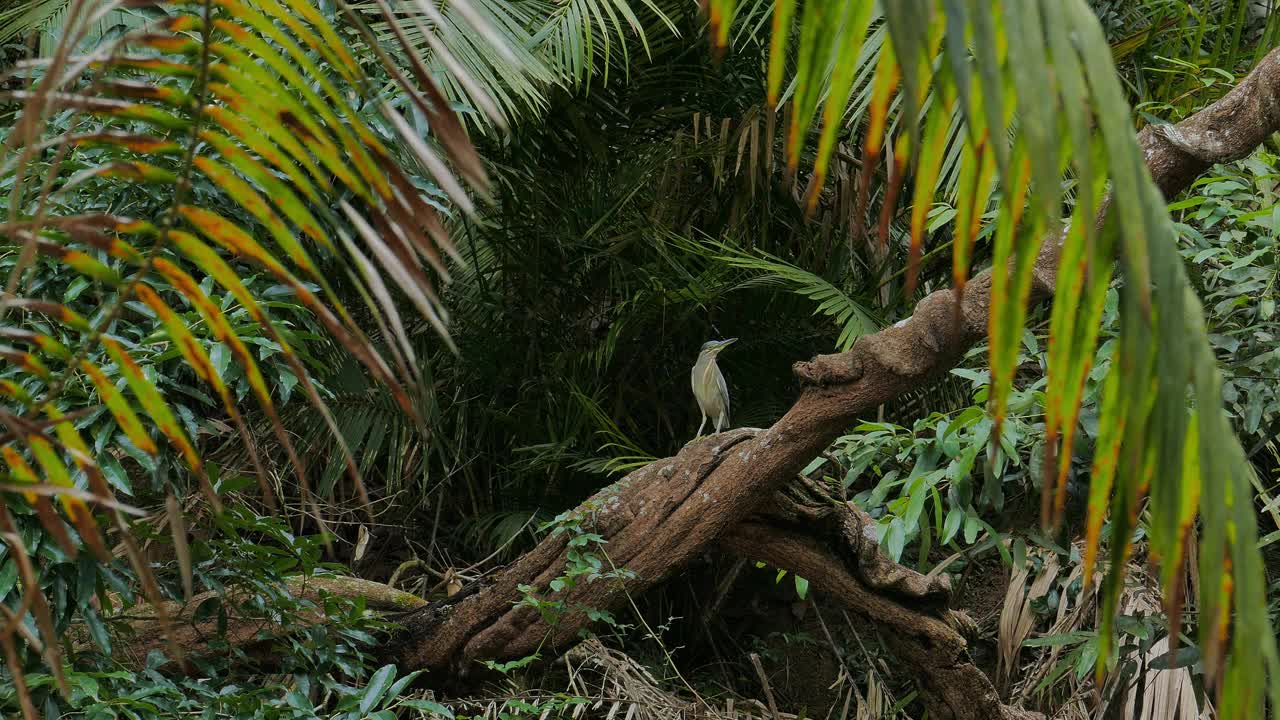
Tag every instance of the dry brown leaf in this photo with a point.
(1167, 694)
(362, 544)
(178, 529)
(1017, 617)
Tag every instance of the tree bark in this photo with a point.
(189, 632)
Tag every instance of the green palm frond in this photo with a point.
(851, 105)
(24, 19)
(387, 442)
(1039, 95)
(545, 44)
(245, 141)
(851, 317)
(1179, 48)
(581, 38)
(620, 453)
(456, 44)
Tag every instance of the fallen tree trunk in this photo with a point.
(740, 490)
(189, 630)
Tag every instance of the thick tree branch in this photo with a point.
(926, 640)
(192, 633)
(1227, 130)
(810, 529)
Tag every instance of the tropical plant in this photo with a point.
(674, 134)
(540, 46)
(217, 123)
(1150, 441)
(224, 198)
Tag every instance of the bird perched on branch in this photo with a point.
(709, 387)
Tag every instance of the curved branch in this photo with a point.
(808, 529)
(1227, 130)
(191, 633)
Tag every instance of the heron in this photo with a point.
(709, 387)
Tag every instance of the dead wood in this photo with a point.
(191, 630)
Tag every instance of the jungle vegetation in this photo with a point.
(345, 351)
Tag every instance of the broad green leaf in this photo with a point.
(377, 687)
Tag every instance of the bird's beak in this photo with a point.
(727, 343)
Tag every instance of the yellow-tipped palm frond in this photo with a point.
(1045, 113)
(237, 140)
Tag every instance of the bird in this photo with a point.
(709, 387)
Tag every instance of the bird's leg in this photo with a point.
(701, 425)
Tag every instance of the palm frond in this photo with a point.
(620, 453)
(224, 123)
(23, 20)
(851, 317)
(1039, 73)
(545, 45)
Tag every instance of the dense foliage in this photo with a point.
(638, 203)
